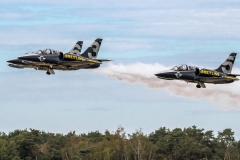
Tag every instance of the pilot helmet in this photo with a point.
(184, 67)
(48, 51)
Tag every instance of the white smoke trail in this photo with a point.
(225, 96)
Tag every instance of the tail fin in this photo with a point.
(92, 51)
(227, 65)
(77, 48)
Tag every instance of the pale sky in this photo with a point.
(167, 33)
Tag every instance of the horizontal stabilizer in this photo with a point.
(103, 60)
(235, 75)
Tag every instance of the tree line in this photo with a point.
(189, 143)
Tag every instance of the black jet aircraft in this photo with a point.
(50, 60)
(193, 74)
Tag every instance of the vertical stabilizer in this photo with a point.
(77, 48)
(227, 65)
(92, 50)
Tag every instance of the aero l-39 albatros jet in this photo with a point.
(193, 74)
(50, 60)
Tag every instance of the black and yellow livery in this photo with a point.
(50, 60)
(192, 74)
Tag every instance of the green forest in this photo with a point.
(189, 143)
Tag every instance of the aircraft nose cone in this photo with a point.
(158, 74)
(14, 61)
(165, 74)
(161, 74)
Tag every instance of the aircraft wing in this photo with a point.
(216, 79)
(16, 66)
(31, 62)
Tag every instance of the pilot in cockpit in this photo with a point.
(192, 67)
(48, 51)
(183, 67)
(55, 52)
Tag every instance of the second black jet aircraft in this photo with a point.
(50, 60)
(192, 74)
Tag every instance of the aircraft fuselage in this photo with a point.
(210, 76)
(192, 74)
(50, 60)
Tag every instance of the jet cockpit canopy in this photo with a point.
(31, 53)
(183, 67)
(46, 51)
(51, 51)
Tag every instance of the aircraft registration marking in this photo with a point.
(211, 73)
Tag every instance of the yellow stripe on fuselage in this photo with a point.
(232, 78)
(93, 61)
(80, 58)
